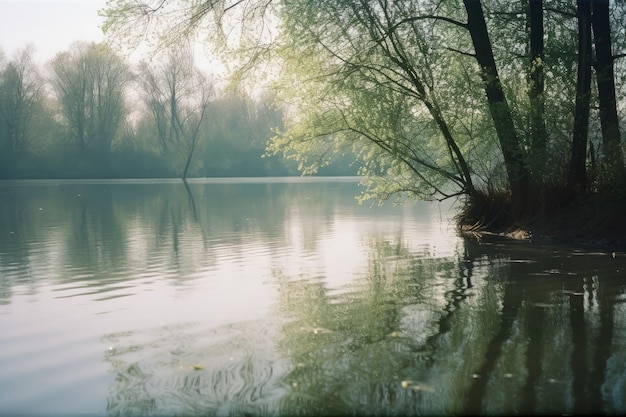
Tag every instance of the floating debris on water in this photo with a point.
(520, 261)
(195, 367)
(558, 272)
(316, 330)
(543, 305)
(571, 292)
(417, 386)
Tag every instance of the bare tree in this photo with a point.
(89, 81)
(177, 96)
(20, 90)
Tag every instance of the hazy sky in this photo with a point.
(51, 25)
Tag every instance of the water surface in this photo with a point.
(287, 297)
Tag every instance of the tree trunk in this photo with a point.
(577, 180)
(517, 172)
(611, 141)
(190, 153)
(538, 133)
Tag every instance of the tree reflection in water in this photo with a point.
(491, 327)
(501, 328)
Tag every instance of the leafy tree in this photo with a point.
(438, 98)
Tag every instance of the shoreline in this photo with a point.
(610, 243)
(596, 221)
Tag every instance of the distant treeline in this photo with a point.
(90, 114)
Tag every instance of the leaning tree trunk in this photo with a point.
(190, 153)
(192, 147)
(577, 177)
(605, 76)
(193, 135)
(517, 172)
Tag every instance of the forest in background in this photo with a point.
(88, 113)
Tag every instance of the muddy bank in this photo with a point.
(592, 222)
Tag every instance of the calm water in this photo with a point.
(288, 298)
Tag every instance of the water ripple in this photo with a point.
(188, 370)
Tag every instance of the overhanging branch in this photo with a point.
(461, 52)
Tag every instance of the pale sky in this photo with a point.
(51, 25)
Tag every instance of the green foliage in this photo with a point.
(411, 88)
(368, 75)
(383, 102)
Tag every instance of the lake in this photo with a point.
(287, 297)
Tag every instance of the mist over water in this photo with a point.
(286, 297)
